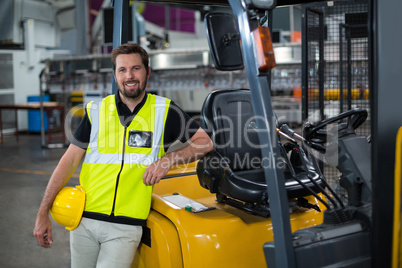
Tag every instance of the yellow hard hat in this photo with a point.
(68, 207)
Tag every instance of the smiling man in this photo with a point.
(123, 140)
(128, 69)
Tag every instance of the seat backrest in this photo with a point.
(235, 170)
(229, 118)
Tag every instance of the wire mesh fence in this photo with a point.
(335, 75)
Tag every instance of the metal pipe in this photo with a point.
(260, 94)
(120, 28)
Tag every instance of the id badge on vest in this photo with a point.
(140, 139)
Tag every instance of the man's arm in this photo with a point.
(200, 144)
(64, 170)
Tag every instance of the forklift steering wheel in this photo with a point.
(315, 133)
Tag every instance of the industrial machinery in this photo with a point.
(273, 208)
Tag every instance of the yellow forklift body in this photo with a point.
(221, 236)
(397, 233)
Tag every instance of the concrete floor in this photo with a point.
(25, 169)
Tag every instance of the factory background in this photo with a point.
(58, 51)
(62, 50)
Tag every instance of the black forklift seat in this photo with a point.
(235, 168)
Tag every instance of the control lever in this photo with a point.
(302, 202)
(290, 132)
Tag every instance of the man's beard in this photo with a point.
(133, 94)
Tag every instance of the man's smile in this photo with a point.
(131, 83)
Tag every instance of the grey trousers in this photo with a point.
(103, 244)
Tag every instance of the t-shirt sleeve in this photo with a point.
(83, 133)
(179, 126)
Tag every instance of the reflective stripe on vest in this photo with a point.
(95, 157)
(112, 171)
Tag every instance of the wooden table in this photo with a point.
(48, 107)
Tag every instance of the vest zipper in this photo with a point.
(118, 175)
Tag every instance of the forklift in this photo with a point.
(280, 211)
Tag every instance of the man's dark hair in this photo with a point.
(130, 49)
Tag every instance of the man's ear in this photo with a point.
(149, 72)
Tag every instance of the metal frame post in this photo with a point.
(120, 27)
(349, 68)
(304, 85)
(321, 65)
(305, 63)
(385, 82)
(260, 94)
(341, 27)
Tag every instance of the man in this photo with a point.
(124, 139)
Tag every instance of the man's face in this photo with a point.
(131, 75)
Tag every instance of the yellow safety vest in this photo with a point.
(117, 156)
